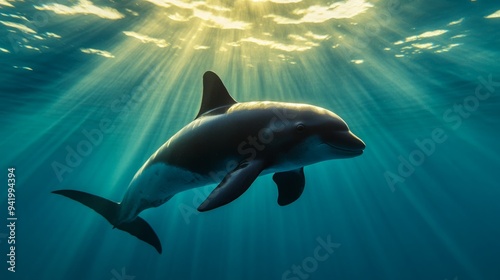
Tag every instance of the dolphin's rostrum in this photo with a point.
(229, 143)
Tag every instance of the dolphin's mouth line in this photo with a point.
(351, 151)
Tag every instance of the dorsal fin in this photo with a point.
(215, 94)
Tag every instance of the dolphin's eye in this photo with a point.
(300, 128)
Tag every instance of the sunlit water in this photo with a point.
(418, 81)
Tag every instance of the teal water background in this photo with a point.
(399, 73)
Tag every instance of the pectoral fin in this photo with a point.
(233, 185)
(290, 185)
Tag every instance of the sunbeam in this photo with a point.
(91, 88)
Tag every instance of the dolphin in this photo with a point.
(229, 144)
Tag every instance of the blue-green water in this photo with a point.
(418, 81)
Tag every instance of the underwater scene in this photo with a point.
(391, 107)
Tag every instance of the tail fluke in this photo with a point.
(110, 210)
(142, 230)
(106, 208)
